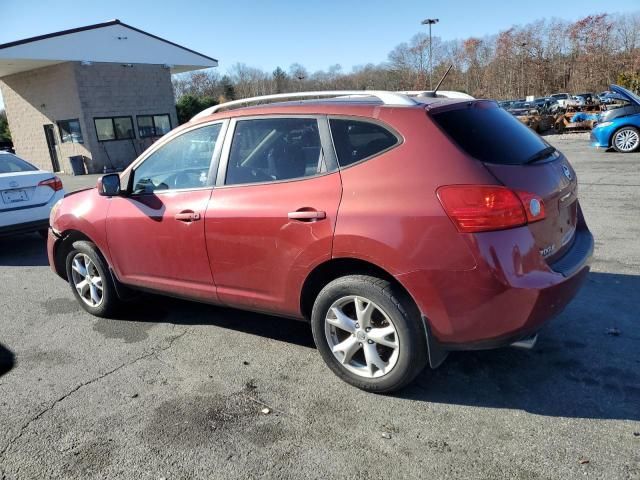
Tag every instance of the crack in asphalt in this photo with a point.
(153, 352)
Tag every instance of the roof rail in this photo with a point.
(439, 93)
(387, 98)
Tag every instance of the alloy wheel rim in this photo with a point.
(87, 280)
(627, 140)
(362, 337)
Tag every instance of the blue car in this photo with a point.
(619, 127)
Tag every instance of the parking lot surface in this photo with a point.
(176, 390)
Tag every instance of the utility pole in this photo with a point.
(430, 21)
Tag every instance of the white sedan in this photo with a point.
(26, 196)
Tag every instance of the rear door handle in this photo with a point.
(187, 216)
(303, 215)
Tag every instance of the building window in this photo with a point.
(153, 125)
(114, 128)
(70, 131)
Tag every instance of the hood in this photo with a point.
(69, 194)
(626, 94)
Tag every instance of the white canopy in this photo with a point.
(111, 41)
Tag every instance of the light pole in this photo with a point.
(430, 21)
(522, 45)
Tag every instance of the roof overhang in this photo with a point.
(111, 42)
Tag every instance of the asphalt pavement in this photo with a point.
(176, 390)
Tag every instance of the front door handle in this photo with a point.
(187, 216)
(307, 215)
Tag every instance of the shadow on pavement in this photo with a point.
(7, 360)
(579, 367)
(156, 308)
(27, 250)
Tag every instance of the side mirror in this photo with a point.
(109, 185)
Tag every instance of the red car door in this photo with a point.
(155, 232)
(271, 218)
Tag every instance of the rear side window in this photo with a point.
(490, 134)
(355, 140)
(9, 163)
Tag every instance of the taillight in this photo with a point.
(53, 183)
(480, 208)
(533, 206)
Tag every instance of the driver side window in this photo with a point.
(181, 163)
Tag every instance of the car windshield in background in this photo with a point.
(490, 134)
(9, 163)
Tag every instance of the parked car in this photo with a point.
(401, 229)
(611, 98)
(576, 101)
(587, 97)
(619, 127)
(522, 108)
(608, 97)
(27, 195)
(562, 99)
(547, 105)
(6, 146)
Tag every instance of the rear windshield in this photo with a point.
(9, 163)
(490, 134)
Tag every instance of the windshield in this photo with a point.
(490, 134)
(9, 163)
(560, 95)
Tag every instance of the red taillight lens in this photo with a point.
(480, 208)
(54, 183)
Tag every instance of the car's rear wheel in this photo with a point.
(90, 280)
(369, 333)
(626, 140)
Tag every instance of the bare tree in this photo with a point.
(539, 58)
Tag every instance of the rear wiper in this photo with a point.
(541, 155)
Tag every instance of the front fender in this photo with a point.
(85, 213)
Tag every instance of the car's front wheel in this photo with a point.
(369, 333)
(90, 280)
(626, 140)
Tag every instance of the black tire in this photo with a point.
(622, 130)
(400, 309)
(110, 301)
(44, 233)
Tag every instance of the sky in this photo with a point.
(317, 34)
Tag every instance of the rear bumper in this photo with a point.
(26, 227)
(20, 219)
(509, 296)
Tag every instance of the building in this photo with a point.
(101, 91)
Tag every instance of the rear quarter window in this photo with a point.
(356, 140)
(489, 133)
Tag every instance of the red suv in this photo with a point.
(400, 228)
